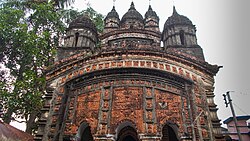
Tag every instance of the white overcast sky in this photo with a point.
(222, 31)
(223, 28)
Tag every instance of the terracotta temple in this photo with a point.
(132, 82)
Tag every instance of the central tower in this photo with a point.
(130, 88)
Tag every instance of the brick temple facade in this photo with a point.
(122, 85)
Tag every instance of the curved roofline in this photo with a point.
(112, 13)
(177, 19)
(82, 21)
(151, 12)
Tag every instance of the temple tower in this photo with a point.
(130, 88)
(111, 21)
(81, 36)
(132, 19)
(151, 20)
(179, 35)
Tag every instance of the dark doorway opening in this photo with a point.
(129, 138)
(127, 133)
(168, 134)
(86, 135)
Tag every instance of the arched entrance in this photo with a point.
(127, 133)
(168, 133)
(84, 133)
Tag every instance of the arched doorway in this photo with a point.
(127, 133)
(168, 133)
(84, 133)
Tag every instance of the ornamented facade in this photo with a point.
(129, 87)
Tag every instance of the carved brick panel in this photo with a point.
(127, 105)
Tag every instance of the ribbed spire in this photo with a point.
(132, 14)
(151, 13)
(112, 14)
(83, 21)
(177, 19)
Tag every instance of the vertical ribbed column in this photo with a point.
(104, 113)
(216, 125)
(149, 115)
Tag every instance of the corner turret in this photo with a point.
(81, 36)
(179, 36)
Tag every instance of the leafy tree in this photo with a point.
(27, 42)
(29, 34)
(62, 3)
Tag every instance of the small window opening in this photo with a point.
(182, 37)
(162, 44)
(76, 38)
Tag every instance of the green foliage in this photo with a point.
(62, 3)
(28, 40)
(96, 17)
(29, 34)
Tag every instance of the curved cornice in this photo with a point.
(73, 61)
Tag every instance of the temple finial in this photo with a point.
(113, 9)
(113, 3)
(149, 7)
(174, 11)
(132, 6)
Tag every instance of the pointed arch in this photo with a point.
(170, 132)
(126, 131)
(84, 132)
